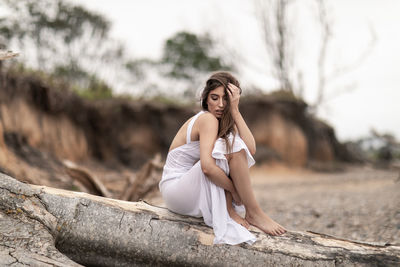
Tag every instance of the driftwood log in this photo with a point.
(40, 225)
(139, 184)
(145, 180)
(7, 54)
(88, 181)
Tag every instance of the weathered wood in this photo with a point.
(7, 54)
(88, 180)
(25, 239)
(145, 181)
(100, 231)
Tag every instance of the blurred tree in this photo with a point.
(60, 37)
(186, 58)
(277, 40)
(379, 148)
(96, 89)
(189, 54)
(277, 22)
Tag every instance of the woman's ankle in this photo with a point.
(254, 212)
(230, 208)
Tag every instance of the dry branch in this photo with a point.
(98, 231)
(91, 184)
(145, 181)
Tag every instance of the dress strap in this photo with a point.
(190, 126)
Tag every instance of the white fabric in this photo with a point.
(190, 126)
(186, 190)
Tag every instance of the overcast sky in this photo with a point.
(374, 102)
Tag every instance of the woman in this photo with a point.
(207, 168)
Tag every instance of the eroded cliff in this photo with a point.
(42, 125)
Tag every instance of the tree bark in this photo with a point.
(39, 225)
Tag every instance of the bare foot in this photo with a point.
(265, 223)
(236, 217)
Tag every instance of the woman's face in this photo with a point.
(216, 101)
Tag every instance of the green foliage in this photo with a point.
(72, 44)
(57, 17)
(71, 72)
(45, 22)
(48, 79)
(86, 85)
(60, 38)
(94, 89)
(97, 89)
(188, 53)
(136, 67)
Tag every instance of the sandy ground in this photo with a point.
(360, 203)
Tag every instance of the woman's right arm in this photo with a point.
(208, 132)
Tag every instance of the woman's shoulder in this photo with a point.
(207, 117)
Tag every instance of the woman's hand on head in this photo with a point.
(234, 96)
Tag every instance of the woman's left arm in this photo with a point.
(243, 129)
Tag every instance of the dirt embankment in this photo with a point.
(286, 132)
(41, 126)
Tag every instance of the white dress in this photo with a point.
(186, 190)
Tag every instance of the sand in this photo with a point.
(361, 203)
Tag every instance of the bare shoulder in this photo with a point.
(206, 124)
(208, 118)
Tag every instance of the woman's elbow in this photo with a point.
(206, 168)
(252, 150)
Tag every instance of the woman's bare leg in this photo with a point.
(232, 213)
(240, 175)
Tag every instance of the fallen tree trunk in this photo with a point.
(99, 231)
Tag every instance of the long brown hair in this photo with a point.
(226, 122)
